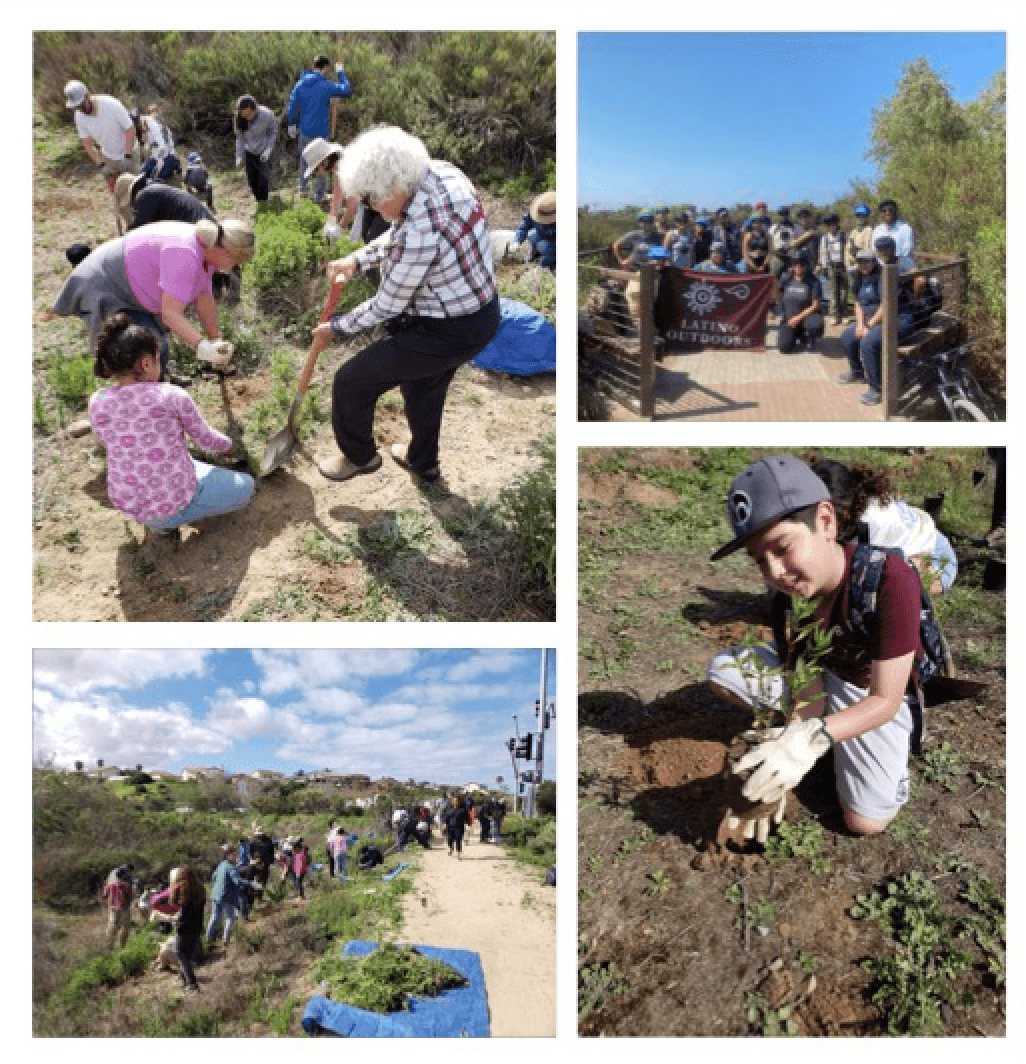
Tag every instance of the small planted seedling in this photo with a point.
(945, 765)
(768, 1020)
(660, 884)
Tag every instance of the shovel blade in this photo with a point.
(281, 445)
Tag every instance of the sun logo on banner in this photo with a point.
(702, 297)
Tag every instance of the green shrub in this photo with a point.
(531, 840)
(72, 379)
(109, 969)
(529, 505)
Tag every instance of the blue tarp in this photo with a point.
(458, 1013)
(524, 345)
(389, 876)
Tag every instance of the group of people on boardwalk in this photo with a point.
(817, 265)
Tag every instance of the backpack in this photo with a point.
(867, 568)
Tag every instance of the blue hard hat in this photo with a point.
(703, 221)
(658, 253)
(646, 216)
(861, 210)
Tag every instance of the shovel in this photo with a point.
(281, 445)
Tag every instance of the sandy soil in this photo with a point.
(90, 563)
(486, 903)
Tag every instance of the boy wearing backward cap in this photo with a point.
(858, 709)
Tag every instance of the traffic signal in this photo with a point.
(525, 746)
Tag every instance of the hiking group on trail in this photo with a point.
(817, 266)
(427, 241)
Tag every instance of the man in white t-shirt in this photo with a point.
(106, 130)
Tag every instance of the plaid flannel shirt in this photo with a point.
(436, 262)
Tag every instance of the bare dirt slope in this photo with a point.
(486, 903)
(662, 944)
(377, 548)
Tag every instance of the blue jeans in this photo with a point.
(944, 561)
(218, 491)
(864, 355)
(341, 864)
(221, 910)
(321, 182)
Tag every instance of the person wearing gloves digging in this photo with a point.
(256, 132)
(863, 706)
(153, 274)
(320, 157)
(308, 114)
(437, 299)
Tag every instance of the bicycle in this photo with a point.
(945, 376)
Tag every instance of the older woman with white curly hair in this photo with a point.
(437, 299)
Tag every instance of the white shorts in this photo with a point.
(871, 770)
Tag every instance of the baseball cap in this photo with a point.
(656, 254)
(74, 93)
(717, 245)
(768, 490)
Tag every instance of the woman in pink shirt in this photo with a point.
(153, 274)
(142, 423)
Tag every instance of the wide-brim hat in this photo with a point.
(767, 491)
(543, 208)
(316, 152)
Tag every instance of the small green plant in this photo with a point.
(660, 884)
(808, 962)
(629, 846)
(912, 984)
(596, 984)
(755, 912)
(586, 777)
(945, 765)
(769, 1020)
(529, 505)
(905, 829)
(527, 901)
(71, 379)
(666, 665)
(595, 862)
(804, 839)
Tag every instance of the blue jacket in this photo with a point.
(310, 102)
(227, 886)
(543, 237)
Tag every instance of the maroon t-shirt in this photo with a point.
(895, 628)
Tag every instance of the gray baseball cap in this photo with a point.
(766, 491)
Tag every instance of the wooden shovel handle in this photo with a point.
(334, 295)
(308, 368)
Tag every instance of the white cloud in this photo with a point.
(95, 727)
(488, 662)
(75, 672)
(241, 718)
(285, 670)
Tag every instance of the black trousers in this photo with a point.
(188, 947)
(258, 174)
(811, 329)
(419, 358)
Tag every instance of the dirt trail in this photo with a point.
(486, 903)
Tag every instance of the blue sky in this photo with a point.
(717, 119)
(439, 715)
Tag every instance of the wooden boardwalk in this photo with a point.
(729, 385)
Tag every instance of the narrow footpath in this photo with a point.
(487, 903)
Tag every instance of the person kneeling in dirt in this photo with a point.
(188, 893)
(863, 708)
(538, 228)
(141, 201)
(142, 423)
(370, 857)
(437, 299)
(197, 179)
(154, 274)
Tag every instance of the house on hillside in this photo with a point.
(162, 775)
(474, 788)
(210, 773)
(266, 774)
(104, 772)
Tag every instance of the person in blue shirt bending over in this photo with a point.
(309, 113)
(538, 227)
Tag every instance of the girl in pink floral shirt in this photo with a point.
(142, 423)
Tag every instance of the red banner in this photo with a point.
(713, 309)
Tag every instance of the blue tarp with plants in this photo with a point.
(524, 345)
(461, 1012)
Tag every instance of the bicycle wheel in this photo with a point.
(964, 410)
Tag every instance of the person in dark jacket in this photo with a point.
(188, 893)
(801, 296)
(153, 201)
(456, 821)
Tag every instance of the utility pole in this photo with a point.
(531, 747)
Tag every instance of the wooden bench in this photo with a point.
(942, 330)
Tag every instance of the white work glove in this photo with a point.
(293, 131)
(217, 352)
(332, 230)
(782, 759)
(339, 68)
(265, 156)
(758, 828)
